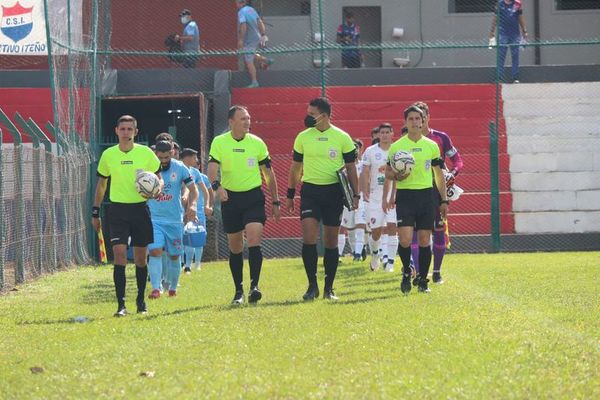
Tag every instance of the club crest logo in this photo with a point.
(332, 153)
(173, 177)
(17, 22)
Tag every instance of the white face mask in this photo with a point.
(185, 19)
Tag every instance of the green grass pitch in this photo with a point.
(501, 326)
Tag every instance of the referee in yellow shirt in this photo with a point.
(414, 196)
(129, 214)
(319, 152)
(241, 157)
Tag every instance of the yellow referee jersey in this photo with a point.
(239, 160)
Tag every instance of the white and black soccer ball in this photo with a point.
(147, 184)
(402, 162)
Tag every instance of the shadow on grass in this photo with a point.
(354, 271)
(364, 300)
(103, 292)
(368, 281)
(373, 290)
(151, 316)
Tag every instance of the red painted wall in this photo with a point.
(30, 103)
(143, 25)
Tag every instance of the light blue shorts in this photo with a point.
(168, 236)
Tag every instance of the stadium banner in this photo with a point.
(23, 28)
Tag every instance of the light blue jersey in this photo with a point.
(167, 206)
(191, 29)
(249, 16)
(200, 177)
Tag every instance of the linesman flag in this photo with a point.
(101, 247)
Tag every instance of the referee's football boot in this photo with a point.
(255, 295)
(238, 299)
(355, 258)
(405, 285)
(423, 285)
(329, 294)
(437, 278)
(141, 307)
(311, 293)
(121, 312)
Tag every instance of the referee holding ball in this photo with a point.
(414, 201)
(129, 213)
(319, 152)
(241, 157)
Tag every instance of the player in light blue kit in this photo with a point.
(190, 159)
(167, 216)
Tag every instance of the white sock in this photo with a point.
(359, 238)
(341, 244)
(392, 248)
(351, 239)
(383, 246)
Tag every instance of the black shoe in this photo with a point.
(423, 286)
(238, 299)
(356, 258)
(311, 293)
(121, 312)
(187, 270)
(405, 284)
(330, 295)
(415, 281)
(363, 254)
(437, 278)
(255, 295)
(141, 307)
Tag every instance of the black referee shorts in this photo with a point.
(322, 202)
(243, 208)
(127, 220)
(415, 207)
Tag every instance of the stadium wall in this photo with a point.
(554, 152)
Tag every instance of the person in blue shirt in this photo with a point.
(190, 159)
(348, 34)
(510, 22)
(166, 212)
(190, 39)
(251, 35)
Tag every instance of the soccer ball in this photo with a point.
(147, 184)
(402, 162)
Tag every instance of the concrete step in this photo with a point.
(551, 144)
(556, 200)
(557, 222)
(552, 107)
(560, 90)
(559, 161)
(549, 181)
(553, 126)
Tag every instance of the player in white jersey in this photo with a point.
(354, 222)
(382, 224)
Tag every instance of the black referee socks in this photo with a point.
(330, 260)
(236, 265)
(424, 261)
(404, 253)
(255, 259)
(141, 277)
(120, 281)
(310, 259)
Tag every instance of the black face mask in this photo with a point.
(310, 121)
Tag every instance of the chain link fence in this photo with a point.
(43, 189)
(529, 148)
